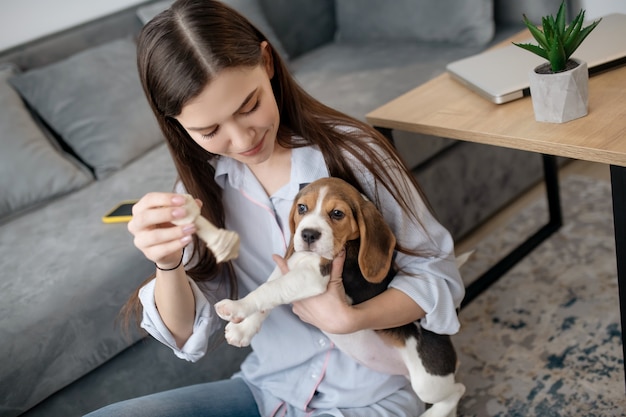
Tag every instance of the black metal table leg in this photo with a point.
(551, 178)
(618, 190)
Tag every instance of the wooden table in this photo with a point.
(443, 107)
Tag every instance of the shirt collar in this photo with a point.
(307, 165)
(228, 169)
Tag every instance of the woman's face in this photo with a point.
(236, 114)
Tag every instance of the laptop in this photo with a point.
(501, 75)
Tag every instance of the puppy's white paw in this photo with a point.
(241, 334)
(231, 310)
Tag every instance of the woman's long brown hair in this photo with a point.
(181, 50)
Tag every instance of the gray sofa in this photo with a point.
(78, 137)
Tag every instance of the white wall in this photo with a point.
(24, 20)
(597, 8)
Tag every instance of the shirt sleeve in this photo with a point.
(206, 322)
(433, 281)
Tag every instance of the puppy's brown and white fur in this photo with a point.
(329, 215)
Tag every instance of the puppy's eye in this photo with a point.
(302, 208)
(337, 215)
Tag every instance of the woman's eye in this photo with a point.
(337, 215)
(209, 135)
(252, 109)
(302, 208)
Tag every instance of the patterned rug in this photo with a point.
(545, 340)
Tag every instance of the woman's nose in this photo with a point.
(241, 136)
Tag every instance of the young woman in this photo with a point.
(245, 137)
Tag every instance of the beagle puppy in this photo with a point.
(327, 216)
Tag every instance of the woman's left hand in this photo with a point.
(329, 311)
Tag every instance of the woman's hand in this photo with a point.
(155, 236)
(329, 311)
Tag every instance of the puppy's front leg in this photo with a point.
(241, 334)
(302, 281)
(237, 310)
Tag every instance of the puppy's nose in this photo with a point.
(310, 235)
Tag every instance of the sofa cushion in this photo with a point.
(251, 9)
(510, 12)
(148, 12)
(94, 101)
(32, 171)
(301, 25)
(58, 314)
(468, 22)
(357, 78)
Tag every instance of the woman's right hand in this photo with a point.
(154, 234)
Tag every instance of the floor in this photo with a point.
(545, 339)
(590, 169)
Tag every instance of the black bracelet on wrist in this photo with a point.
(171, 269)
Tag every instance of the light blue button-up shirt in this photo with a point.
(294, 369)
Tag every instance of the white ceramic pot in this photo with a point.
(560, 97)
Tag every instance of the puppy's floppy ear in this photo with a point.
(377, 243)
(292, 227)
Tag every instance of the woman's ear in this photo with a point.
(268, 60)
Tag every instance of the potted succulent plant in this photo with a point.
(559, 88)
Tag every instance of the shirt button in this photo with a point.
(322, 342)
